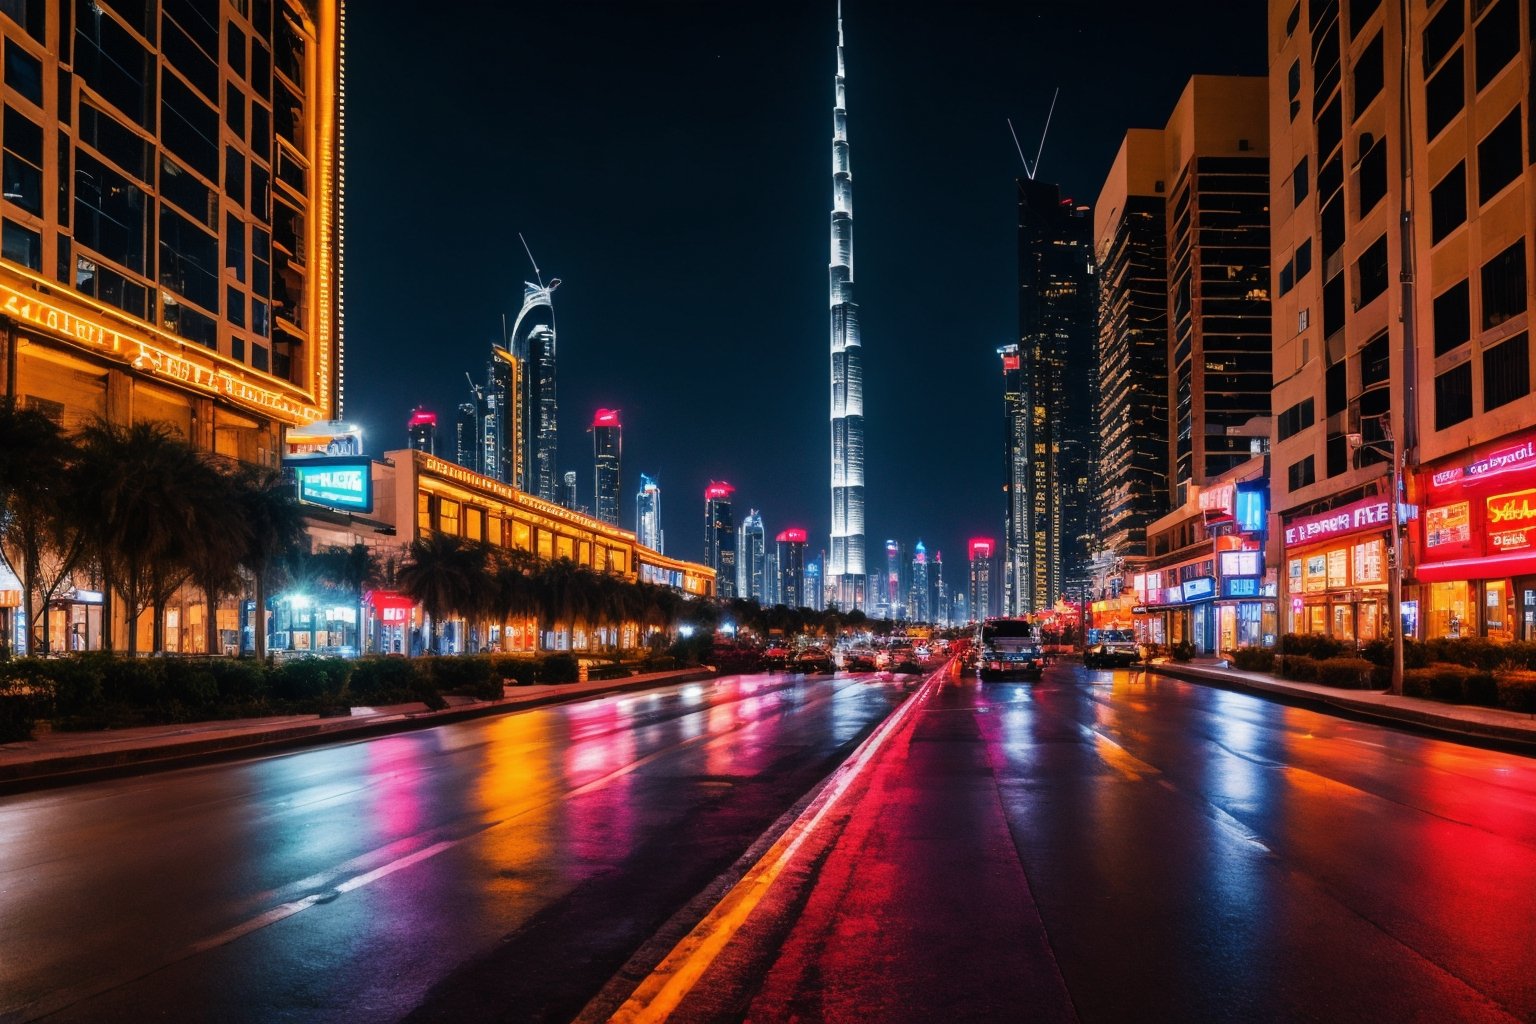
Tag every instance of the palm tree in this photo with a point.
(40, 538)
(140, 512)
(276, 523)
(565, 594)
(221, 537)
(445, 575)
(352, 569)
(514, 593)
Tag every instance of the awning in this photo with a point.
(1492, 567)
(390, 606)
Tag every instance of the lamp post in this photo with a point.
(1389, 445)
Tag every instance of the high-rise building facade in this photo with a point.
(1131, 246)
(720, 537)
(917, 598)
(895, 595)
(751, 558)
(607, 453)
(533, 344)
(648, 515)
(466, 434)
(1050, 427)
(815, 590)
(421, 430)
(940, 592)
(980, 603)
(1411, 313)
(171, 229)
(498, 417)
(569, 496)
(792, 568)
(846, 566)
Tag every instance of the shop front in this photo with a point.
(1476, 571)
(1336, 572)
(1245, 607)
(1177, 605)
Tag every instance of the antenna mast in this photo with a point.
(1030, 170)
(531, 260)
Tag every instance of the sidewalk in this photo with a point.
(1459, 722)
(62, 758)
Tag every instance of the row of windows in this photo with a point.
(1503, 291)
(1506, 377)
(1497, 42)
(474, 523)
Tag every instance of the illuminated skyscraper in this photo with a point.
(422, 429)
(568, 498)
(792, 575)
(720, 537)
(498, 417)
(1050, 403)
(466, 435)
(815, 593)
(893, 593)
(751, 552)
(940, 594)
(980, 603)
(607, 450)
(533, 343)
(917, 600)
(648, 514)
(846, 567)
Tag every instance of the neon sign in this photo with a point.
(1511, 521)
(1366, 514)
(1520, 456)
(149, 358)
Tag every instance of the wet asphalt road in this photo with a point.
(1119, 846)
(503, 868)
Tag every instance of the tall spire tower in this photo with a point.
(845, 568)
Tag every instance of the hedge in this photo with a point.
(1517, 690)
(1455, 684)
(1353, 673)
(1254, 659)
(1297, 667)
(99, 690)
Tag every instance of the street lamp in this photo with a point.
(1388, 445)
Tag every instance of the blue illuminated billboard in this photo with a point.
(343, 484)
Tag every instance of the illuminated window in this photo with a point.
(448, 516)
(474, 523)
(423, 511)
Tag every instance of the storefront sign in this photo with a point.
(1448, 524)
(172, 364)
(1317, 574)
(1512, 522)
(1251, 510)
(1517, 456)
(1199, 588)
(343, 485)
(1366, 514)
(1242, 563)
(1370, 562)
(1218, 499)
(1240, 586)
(393, 609)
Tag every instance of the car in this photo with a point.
(813, 660)
(859, 659)
(777, 657)
(1009, 649)
(1112, 648)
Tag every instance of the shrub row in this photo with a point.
(99, 690)
(1254, 659)
(1351, 673)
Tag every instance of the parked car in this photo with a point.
(859, 659)
(814, 659)
(1112, 648)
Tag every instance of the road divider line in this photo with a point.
(664, 989)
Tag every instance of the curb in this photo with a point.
(1511, 739)
(67, 771)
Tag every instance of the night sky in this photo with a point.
(670, 162)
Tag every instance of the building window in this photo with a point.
(1293, 87)
(113, 63)
(1504, 285)
(115, 141)
(1445, 94)
(1375, 362)
(1359, 12)
(1369, 74)
(1297, 418)
(1371, 272)
(1330, 128)
(1453, 396)
(1442, 33)
(21, 245)
(1302, 473)
(1287, 278)
(1332, 220)
(1300, 186)
(1337, 388)
(1338, 454)
(237, 349)
(111, 213)
(1333, 305)
(1448, 203)
(1498, 40)
(23, 161)
(1373, 175)
(1453, 317)
(1506, 372)
(23, 72)
(259, 357)
(1499, 160)
(1303, 259)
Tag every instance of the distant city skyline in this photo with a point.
(630, 329)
